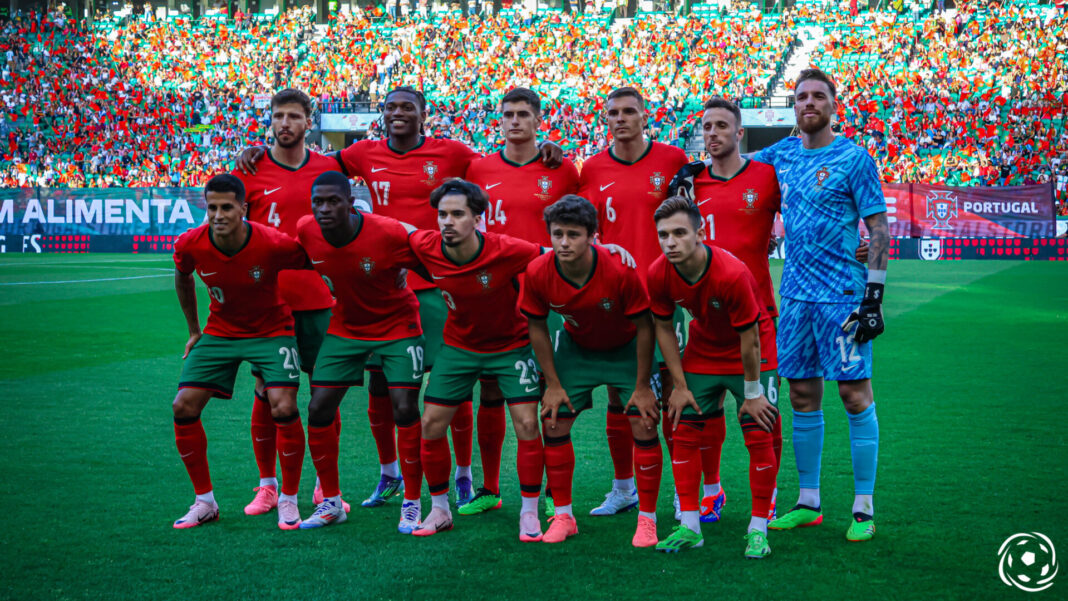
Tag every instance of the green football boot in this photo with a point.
(801, 516)
(484, 500)
(756, 546)
(862, 529)
(681, 538)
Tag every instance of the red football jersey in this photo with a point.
(244, 287)
(279, 196)
(482, 294)
(401, 183)
(739, 213)
(598, 312)
(518, 194)
(721, 302)
(627, 194)
(363, 275)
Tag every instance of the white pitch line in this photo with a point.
(135, 277)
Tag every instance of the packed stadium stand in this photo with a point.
(969, 96)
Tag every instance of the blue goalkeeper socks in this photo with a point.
(808, 447)
(864, 445)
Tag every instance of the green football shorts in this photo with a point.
(341, 362)
(432, 312)
(310, 328)
(708, 391)
(456, 370)
(582, 370)
(213, 362)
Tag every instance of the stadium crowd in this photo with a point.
(965, 98)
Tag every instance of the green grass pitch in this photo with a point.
(970, 384)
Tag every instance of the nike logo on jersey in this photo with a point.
(438, 277)
(269, 192)
(314, 262)
(703, 201)
(490, 187)
(603, 188)
(204, 275)
(377, 169)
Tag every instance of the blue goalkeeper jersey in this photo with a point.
(825, 193)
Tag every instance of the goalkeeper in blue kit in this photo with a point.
(831, 305)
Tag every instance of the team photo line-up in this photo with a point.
(644, 273)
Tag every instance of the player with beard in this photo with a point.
(400, 172)
(828, 185)
(277, 196)
(627, 182)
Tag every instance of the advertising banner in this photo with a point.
(100, 211)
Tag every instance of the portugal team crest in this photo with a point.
(715, 303)
(750, 197)
(931, 249)
(367, 264)
(822, 175)
(941, 206)
(484, 278)
(256, 273)
(658, 181)
(430, 169)
(544, 185)
(607, 304)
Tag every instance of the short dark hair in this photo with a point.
(476, 198)
(409, 89)
(292, 96)
(818, 75)
(334, 178)
(719, 102)
(524, 95)
(679, 204)
(572, 209)
(624, 92)
(223, 183)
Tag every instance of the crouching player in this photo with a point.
(731, 347)
(248, 321)
(362, 257)
(607, 339)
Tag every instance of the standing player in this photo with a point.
(362, 255)
(607, 339)
(738, 199)
(519, 187)
(277, 196)
(477, 274)
(239, 263)
(829, 184)
(627, 182)
(731, 347)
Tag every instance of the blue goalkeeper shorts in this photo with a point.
(812, 344)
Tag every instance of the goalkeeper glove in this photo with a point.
(868, 318)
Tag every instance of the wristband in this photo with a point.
(876, 276)
(753, 390)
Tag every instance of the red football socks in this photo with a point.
(686, 465)
(530, 463)
(762, 467)
(434, 455)
(648, 466)
(491, 431)
(380, 414)
(408, 444)
(192, 446)
(323, 444)
(712, 447)
(291, 454)
(560, 467)
(620, 443)
(463, 430)
(263, 436)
